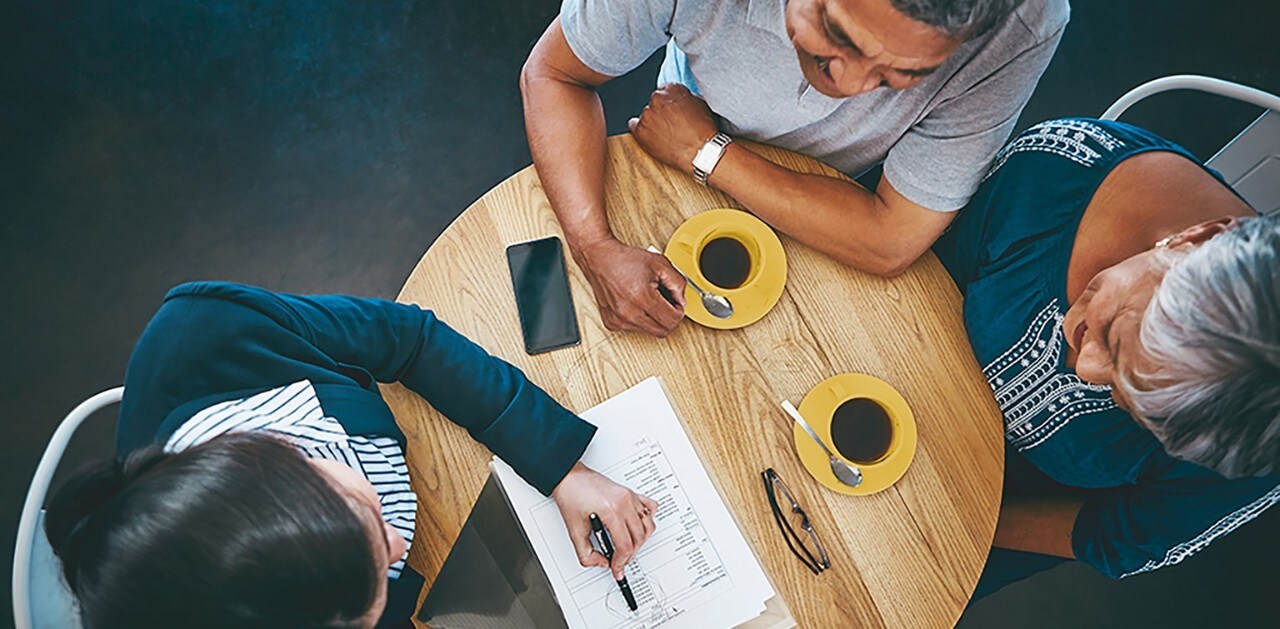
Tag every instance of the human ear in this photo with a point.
(1202, 232)
(392, 537)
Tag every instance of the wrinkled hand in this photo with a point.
(626, 282)
(627, 516)
(673, 126)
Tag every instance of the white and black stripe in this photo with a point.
(294, 412)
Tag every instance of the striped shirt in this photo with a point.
(293, 412)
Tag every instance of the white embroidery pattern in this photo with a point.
(1035, 398)
(1227, 524)
(1065, 138)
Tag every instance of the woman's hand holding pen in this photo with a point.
(628, 516)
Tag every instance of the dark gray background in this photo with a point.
(321, 146)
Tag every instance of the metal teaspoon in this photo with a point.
(717, 305)
(845, 473)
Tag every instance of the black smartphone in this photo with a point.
(542, 295)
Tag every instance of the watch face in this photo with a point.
(707, 156)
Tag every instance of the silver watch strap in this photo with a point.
(720, 140)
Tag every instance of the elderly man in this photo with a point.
(930, 87)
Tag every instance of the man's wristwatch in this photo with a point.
(708, 156)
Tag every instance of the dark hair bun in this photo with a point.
(73, 509)
(240, 531)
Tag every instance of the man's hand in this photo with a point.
(673, 126)
(626, 281)
(627, 516)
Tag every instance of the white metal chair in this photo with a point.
(41, 597)
(1251, 162)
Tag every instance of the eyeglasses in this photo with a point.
(799, 545)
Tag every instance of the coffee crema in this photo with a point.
(861, 430)
(725, 262)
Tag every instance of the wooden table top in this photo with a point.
(906, 557)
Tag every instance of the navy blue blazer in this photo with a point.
(214, 341)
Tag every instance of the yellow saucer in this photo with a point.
(757, 296)
(820, 404)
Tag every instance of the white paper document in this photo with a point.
(696, 570)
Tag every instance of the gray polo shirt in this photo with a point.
(936, 139)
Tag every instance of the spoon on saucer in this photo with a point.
(845, 473)
(717, 305)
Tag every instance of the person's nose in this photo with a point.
(870, 82)
(1094, 366)
(857, 76)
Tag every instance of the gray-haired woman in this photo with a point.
(1125, 303)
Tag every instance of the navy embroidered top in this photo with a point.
(1008, 253)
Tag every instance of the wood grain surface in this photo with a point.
(906, 557)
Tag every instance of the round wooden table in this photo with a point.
(905, 557)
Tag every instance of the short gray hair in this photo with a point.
(1212, 332)
(961, 19)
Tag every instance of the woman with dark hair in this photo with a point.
(262, 480)
(1126, 305)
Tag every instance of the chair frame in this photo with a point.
(1239, 160)
(36, 493)
(1195, 82)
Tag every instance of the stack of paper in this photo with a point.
(695, 571)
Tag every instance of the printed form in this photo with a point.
(695, 571)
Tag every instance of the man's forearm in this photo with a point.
(565, 124)
(1038, 525)
(882, 232)
(836, 217)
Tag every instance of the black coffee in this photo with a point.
(725, 263)
(861, 430)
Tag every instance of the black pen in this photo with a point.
(606, 546)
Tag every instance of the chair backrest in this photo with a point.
(1250, 162)
(41, 597)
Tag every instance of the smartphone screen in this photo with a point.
(542, 295)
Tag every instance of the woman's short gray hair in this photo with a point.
(1212, 332)
(962, 19)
